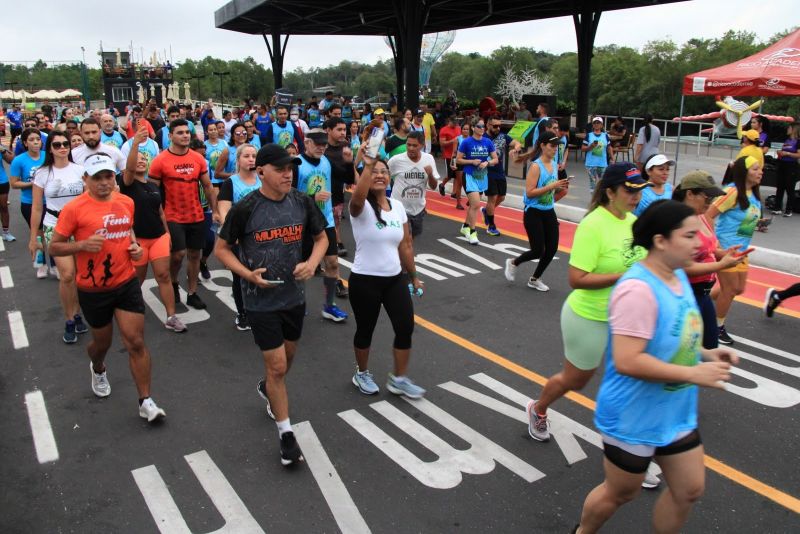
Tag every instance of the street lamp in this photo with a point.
(84, 79)
(221, 94)
(197, 77)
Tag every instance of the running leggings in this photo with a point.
(789, 292)
(542, 229)
(709, 314)
(367, 293)
(208, 246)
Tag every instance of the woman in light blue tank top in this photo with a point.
(647, 403)
(226, 164)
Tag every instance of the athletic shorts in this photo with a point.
(634, 457)
(584, 340)
(271, 329)
(25, 209)
(497, 187)
(98, 306)
(415, 223)
(739, 267)
(190, 236)
(471, 185)
(333, 249)
(153, 249)
(4, 188)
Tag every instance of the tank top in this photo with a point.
(546, 201)
(241, 189)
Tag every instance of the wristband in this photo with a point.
(412, 274)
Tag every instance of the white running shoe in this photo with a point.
(8, 237)
(100, 385)
(650, 481)
(53, 271)
(537, 284)
(41, 272)
(473, 238)
(464, 231)
(511, 270)
(150, 411)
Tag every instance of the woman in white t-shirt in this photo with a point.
(55, 183)
(383, 251)
(647, 141)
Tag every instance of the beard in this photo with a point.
(91, 143)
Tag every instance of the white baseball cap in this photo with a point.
(598, 119)
(99, 162)
(655, 161)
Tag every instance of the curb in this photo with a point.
(762, 257)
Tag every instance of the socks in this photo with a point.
(720, 322)
(330, 290)
(465, 225)
(283, 427)
(490, 219)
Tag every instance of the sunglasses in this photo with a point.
(480, 126)
(61, 144)
(240, 133)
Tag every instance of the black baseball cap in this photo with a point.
(625, 174)
(549, 138)
(272, 154)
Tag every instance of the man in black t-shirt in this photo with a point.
(269, 225)
(340, 156)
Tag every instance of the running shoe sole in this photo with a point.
(263, 395)
(331, 317)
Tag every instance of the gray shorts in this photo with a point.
(415, 223)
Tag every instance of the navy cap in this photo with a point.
(624, 173)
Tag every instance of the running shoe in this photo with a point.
(204, 272)
(341, 250)
(537, 424)
(100, 385)
(465, 231)
(404, 386)
(492, 230)
(365, 383)
(149, 410)
(473, 238)
(341, 290)
(175, 324)
(771, 301)
(80, 326)
(777, 212)
(538, 285)
(261, 388)
(787, 213)
(459, 206)
(8, 237)
(41, 272)
(241, 322)
(333, 313)
(441, 189)
(510, 270)
(69, 333)
(52, 271)
(650, 481)
(176, 290)
(195, 302)
(290, 450)
(485, 217)
(723, 337)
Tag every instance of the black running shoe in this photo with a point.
(241, 322)
(341, 250)
(724, 338)
(195, 302)
(771, 301)
(290, 450)
(261, 387)
(341, 290)
(441, 189)
(204, 272)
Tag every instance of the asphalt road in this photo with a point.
(458, 461)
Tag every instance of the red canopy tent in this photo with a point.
(774, 71)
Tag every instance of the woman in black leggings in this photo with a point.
(774, 298)
(540, 220)
(383, 252)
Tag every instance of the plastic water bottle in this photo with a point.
(374, 142)
(39, 261)
(412, 291)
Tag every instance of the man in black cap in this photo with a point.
(269, 225)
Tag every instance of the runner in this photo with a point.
(30, 122)
(383, 251)
(231, 192)
(283, 132)
(100, 221)
(541, 224)
(496, 192)
(211, 227)
(55, 183)
(109, 134)
(21, 173)
(410, 172)
(342, 172)
(774, 298)
(253, 138)
(653, 367)
(448, 142)
(262, 121)
(739, 211)
(598, 150)
(475, 153)
(179, 170)
(314, 178)
(150, 226)
(396, 143)
(656, 171)
(215, 146)
(226, 163)
(5, 218)
(90, 132)
(269, 226)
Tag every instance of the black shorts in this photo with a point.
(497, 187)
(333, 249)
(415, 223)
(190, 236)
(4, 188)
(15, 131)
(636, 464)
(98, 306)
(451, 172)
(271, 329)
(25, 209)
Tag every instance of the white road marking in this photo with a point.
(18, 335)
(43, 439)
(5, 277)
(2, 245)
(470, 254)
(767, 348)
(333, 489)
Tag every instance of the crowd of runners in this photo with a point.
(653, 269)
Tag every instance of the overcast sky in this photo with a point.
(195, 36)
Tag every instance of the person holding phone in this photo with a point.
(599, 152)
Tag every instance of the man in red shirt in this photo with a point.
(104, 246)
(448, 141)
(181, 172)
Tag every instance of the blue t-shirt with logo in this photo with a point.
(213, 151)
(115, 139)
(312, 179)
(24, 166)
(262, 123)
(597, 156)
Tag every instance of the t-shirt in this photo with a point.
(428, 122)
(262, 123)
(602, 245)
(409, 180)
(649, 196)
(754, 151)
(342, 172)
(60, 186)
(130, 132)
(149, 148)
(179, 175)
(481, 149)
(314, 176)
(15, 118)
(146, 198)
(235, 189)
(85, 216)
(24, 167)
(79, 154)
(395, 145)
(598, 156)
(115, 139)
(501, 144)
(270, 234)
(790, 145)
(648, 147)
(448, 133)
(376, 244)
(228, 125)
(213, 151)
(735, 226)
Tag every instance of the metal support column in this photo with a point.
(411, 17)
(395, 41)
(276, 55)
(586, 22)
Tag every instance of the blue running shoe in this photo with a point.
(365, 383)
(492, 230)
(485, 218)
(69, 333)
(333, 313)
(80, 326)
(404, 386)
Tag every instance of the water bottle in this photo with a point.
(39, 261)
(412, 291)
(215, 227)
(374, 142)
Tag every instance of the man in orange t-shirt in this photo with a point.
(448, 141)
(101, 223)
